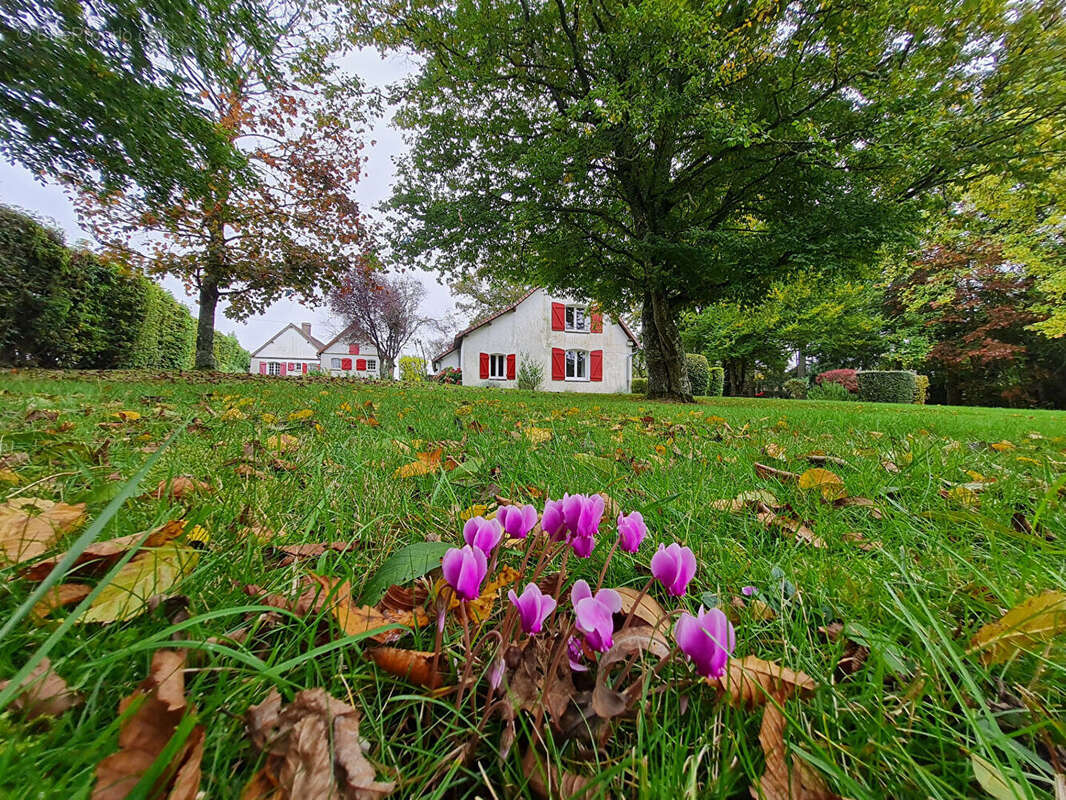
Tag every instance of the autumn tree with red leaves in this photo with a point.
(292, 228)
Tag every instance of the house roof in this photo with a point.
(324, 347)
(482, 323)
(311, 340)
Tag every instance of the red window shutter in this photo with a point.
(292, 367)
(558, 317)
(510, 366)
(360, 364)
(305, 369)
(262, 368)
(484, 365)
(284, 371)
(353, 349)
(558, 364)
(346, 363)
(597, 322)
(596, 365)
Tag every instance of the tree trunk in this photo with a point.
(388, 368)
(736, 376)
(205, 324)
(665, 356)
(801, 363)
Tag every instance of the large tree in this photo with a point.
(673, 152)
(97, 91)
(381, 309)
(288, 230)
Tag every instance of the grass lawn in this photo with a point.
(909, 721)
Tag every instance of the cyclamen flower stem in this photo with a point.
(468, 660)
(562, 572)
(633, 610)
(607, 563)
(442, 612)
(654, 631)
(557, 656)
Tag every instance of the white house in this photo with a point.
(578, 349)
(346, 355)
(290, 351)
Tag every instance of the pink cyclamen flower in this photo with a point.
(533, 607)
(484, 534)
(464, 570)
(582, 545)
(631, 531)
(588, 522)
(575, 654)
(553, 522)
(594, 615)
(517, 521)
(747, 591)
(673, 567)
(707, 639)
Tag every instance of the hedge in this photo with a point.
(887, 386)
(717, 384)
(639, 386)
(921, 389)
(796, 388)
(73, 309)
(699, 372)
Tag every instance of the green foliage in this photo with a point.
(717, 382)
(887, 386)
(75, 309)
(699, 372)
(530, 374)
(412, 368)
(797, 388)
(449, 375)
(829, 391)
(639, 386)
(921, 389)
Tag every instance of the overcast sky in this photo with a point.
(19, 188)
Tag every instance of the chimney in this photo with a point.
(307, 328)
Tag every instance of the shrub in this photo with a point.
(412, 369)
(921, 389)
(717, 382)
(530, 374)
(449, 375)
(829, 391)
(845, 377)
(699, 372)
(639, 386)
(796, 388)
(887, 386)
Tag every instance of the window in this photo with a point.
(371, 364)
(577, 318)
(497, 367)
(274, 368)
(577, 365)
(334, 363)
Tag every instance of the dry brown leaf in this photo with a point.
(854, 655)
(64, 594)
(818, 458)
(151, 572)
(353, 620)
(159, 706)
(746, 500)
(750, 681)
(800, 531)
(415, 666)
(828, 483)
(861, 541)
(291, 553)
(647, 610)
(283, 443)
(314, 751)
(107, 552)
(179, 487)
(29, 526)
(550, 782)
(763, 471)
(781, 779)
(1035, 621)
(774, 451)
(43, 693)
(629, 643)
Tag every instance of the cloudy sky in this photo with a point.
(19, 188)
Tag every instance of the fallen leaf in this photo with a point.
(763, 471)
(828, 483)
(353, 620)
(104, 554)
(158, 707)
(314, 751)
(43, 693)
(746, 500)
(800, 531)
(282, 443)
(179, 487)
(783, 779)
(128, 416)
(1001, 447)
(854, 655)
(151, 572)
(415, 666)
(818, 458)
(425, 464)
(647, 610)
(629, 643)
(481, 608)
(750, 681)
(1038, 619)
(861, 541)
(993, 780)
(64, 594)
(861, 502)
(302, 414)
(775, 451)
(291, 553)
(549, 781)
(538, 435)
(29, 526)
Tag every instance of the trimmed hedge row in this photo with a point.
(717, 385)
(72, 309)
(887, 386)
(699, 372)
(639, 386)
(796, 388)
(921, 389)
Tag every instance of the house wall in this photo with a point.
(342, 349)
(450, 360)
(289, 348)
(527, 332)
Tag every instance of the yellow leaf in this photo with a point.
(232, 414)
(993, 780)
(964, 496)
(1033, 622)
(29, 526)
(1000, 447)
(828, 483)
(426, 463)
(303, 413)
(128, 416)
(7, 476)
(476, 510)
(775, 451)
(481, 608)
(151, 572)
(538, 435)
(268, 419)
(283, 443)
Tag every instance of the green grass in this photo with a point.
(905, 725)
